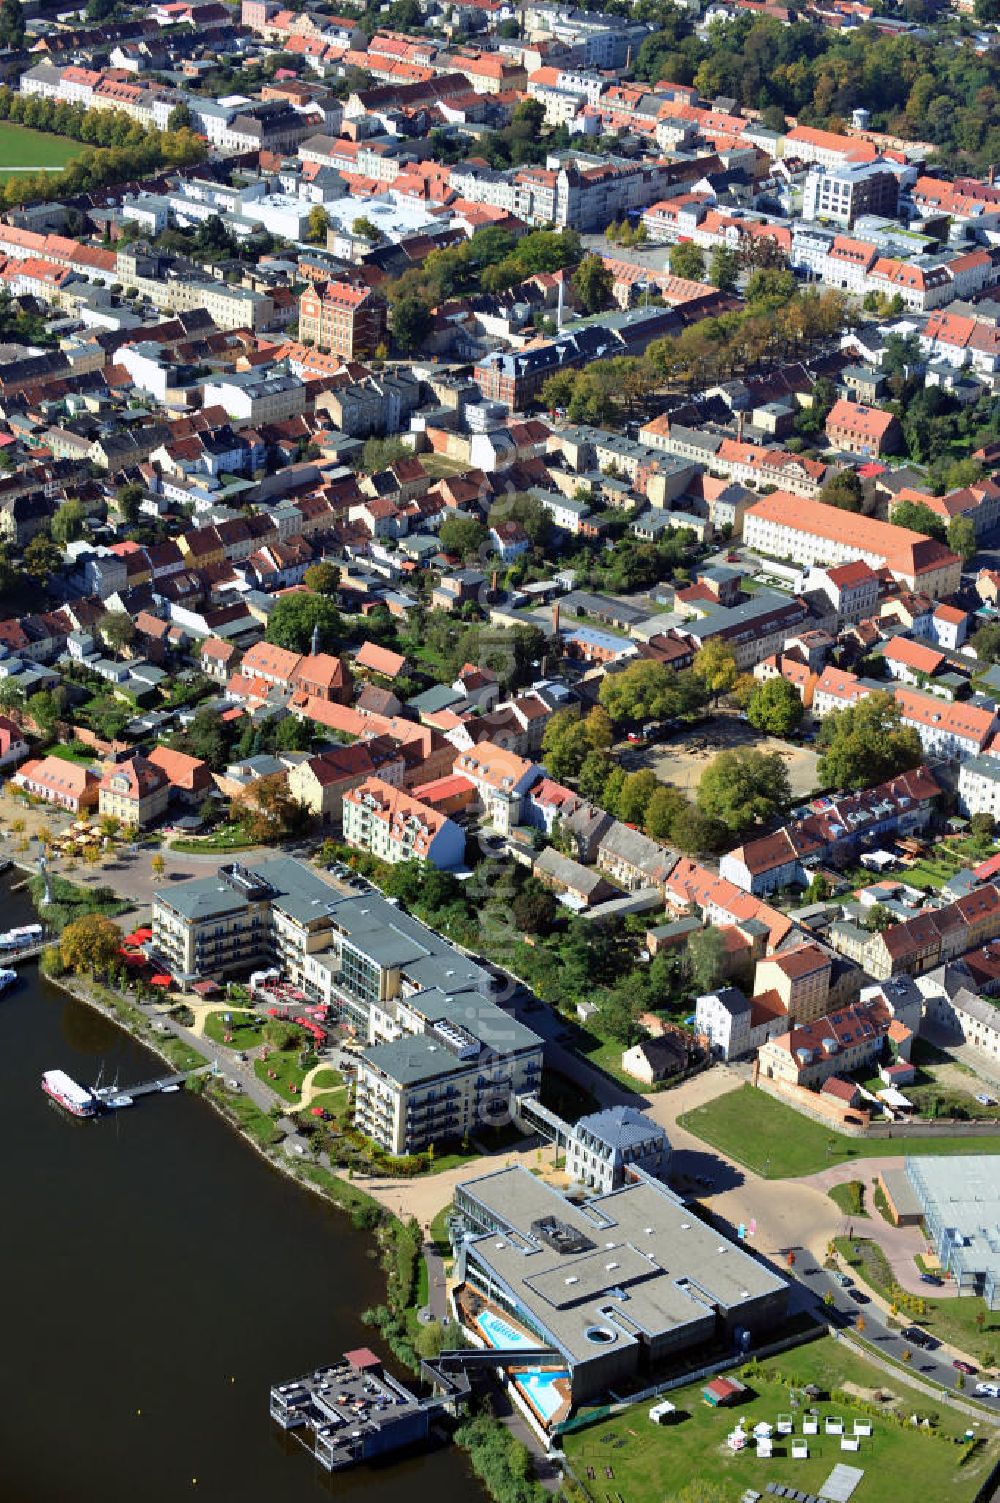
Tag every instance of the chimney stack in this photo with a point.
(493, 581)
(555, 618)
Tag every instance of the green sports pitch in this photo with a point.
(24, 151)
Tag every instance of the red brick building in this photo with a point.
(344, 320)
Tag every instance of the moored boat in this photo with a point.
(73, 1098)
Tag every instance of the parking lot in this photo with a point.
(682, 760)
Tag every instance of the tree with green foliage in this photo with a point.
(706, 959)
(866, 743)
(595, 771)
(698, 834)
(879, 918)
(317, 225)
(117, 630)
(642, 691)
(67, 524)
(462, 535)
(622, 1007)
(843, 489)
(11, 24)
(322, 578)
(380, 453)
(534, 908)
(592, 284)
(366, 230)
(663, 807)
(986, 642)
(128, 499)
(982, 826)
(410, 323)
(46, 707)
(42, 558)
(180, 117)
(570, 738)
(636, 793)
(724, 268)
(775, 707)
(687, 260)
(206, 737)
(715, 665)
(961, 538)
(918, 518)
(295, 617)
(744, 787)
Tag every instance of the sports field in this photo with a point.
(23, 150)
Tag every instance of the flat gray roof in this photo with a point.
(648, 1265)
(960, 1196)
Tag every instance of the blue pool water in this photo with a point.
(499, 1334)
(541, 1390)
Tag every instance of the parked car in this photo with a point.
(859, 1296)
(964, 1367)
(985, 1100)
(843, 1280)
(916, 1337)
(989, 1390)
(931, 1278)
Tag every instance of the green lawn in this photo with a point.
(287, 1072)
(245, 1030)
(247, 1115)
(953, 1321)
(850, 1197)
(31, 149)
(439, 1231)
(228, 838)
(75, 751)
(650, 1463)
(328, 1079)
(333, 1101)
(779, 1143)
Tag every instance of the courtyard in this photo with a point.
(682, 760)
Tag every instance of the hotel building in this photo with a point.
(442, 1058)
(619, 1286)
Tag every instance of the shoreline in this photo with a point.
(80, 992)
(79, 989)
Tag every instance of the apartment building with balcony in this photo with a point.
(442, 1058)
(394, 826)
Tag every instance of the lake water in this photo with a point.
(156, 1278)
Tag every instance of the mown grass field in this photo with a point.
(779, 1143)
(649, 1463)
(23, 150)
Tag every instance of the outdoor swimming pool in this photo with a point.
(499, 1334)
(541, 1390)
